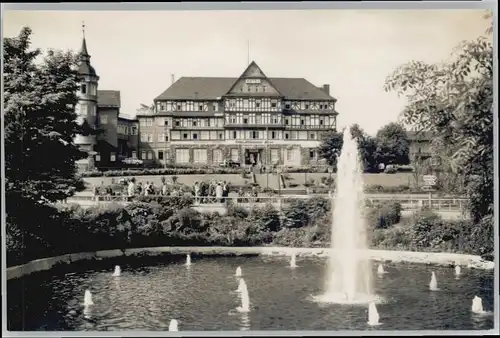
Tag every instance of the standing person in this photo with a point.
(164, 190)
(218, 192)
(196, 192)
(146, 189)
(131, 189)
(225, 190)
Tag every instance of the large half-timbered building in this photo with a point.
(249, 119)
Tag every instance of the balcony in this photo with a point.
(254, 125)
(197, 127)
(308, 127)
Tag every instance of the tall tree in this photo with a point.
(332, 143)
(39, 112)
(392, 144)
(455, 99)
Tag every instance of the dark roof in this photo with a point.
(85, 68)
(419, 135)
(212, 88)
(108, 98)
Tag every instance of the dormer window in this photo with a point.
(83, 89)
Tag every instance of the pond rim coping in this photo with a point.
(436, 258)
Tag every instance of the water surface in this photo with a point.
(202, 297)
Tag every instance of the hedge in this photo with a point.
(303, 223)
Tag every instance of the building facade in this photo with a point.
(420, 144)
(108, 136)
(251, 119)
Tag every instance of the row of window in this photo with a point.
(240, 118)
(231, 134)
(200, 156)
(242, 104)
(187, 106)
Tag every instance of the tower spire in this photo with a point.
(84, 54)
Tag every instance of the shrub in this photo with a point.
(384, 215)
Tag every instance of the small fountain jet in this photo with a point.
(188, 260)
(117, 272)
(245, 298)
(293, 261)
(241, 285)
(433, 285)
(458, 271)
(380, 270)
(373, 316)
(174, 325)
(238, 273)
(477, 305)
(87, 299)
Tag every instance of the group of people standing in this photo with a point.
(211, 192)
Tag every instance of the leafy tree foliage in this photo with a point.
(392, 144)
(39, 112)
(455, 100)
(331, 147)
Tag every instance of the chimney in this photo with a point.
(173, 78)
(326, 88)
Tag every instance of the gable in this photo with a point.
(253, 81)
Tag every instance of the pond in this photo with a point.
(152, 291)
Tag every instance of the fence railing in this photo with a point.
(414, 203)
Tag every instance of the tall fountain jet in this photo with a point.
(349, 278)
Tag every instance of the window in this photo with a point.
(179, 106)
(182, 155)
(287, 106)
(217, 156)
(98, 157)
(221, 136)
(287, 136)
(235, 155)
(287, 121)
(185, 136)
(160, 155)
(321, 122)
(234, 134)
(273, 104)
(307, 106)
(195, 136)
(289, 154)
(245, 121)
(177, 123)
(200, 107)
(312, 136)
(273, 135)
(83, 89)
(166, 137)
(143, 155)
(195, 123)
(112, 157)
(200, 156)
(134, 154)
(103, 119)
(257, 104)
(275, 120)
(150, 155)
(255, 134)
(312, 154)
(93, 111)
(274, 156)
(263, 88)
(302, 122)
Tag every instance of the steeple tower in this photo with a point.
(86, 108)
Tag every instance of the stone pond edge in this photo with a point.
(447, 259)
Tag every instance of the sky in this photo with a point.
(352, 50)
